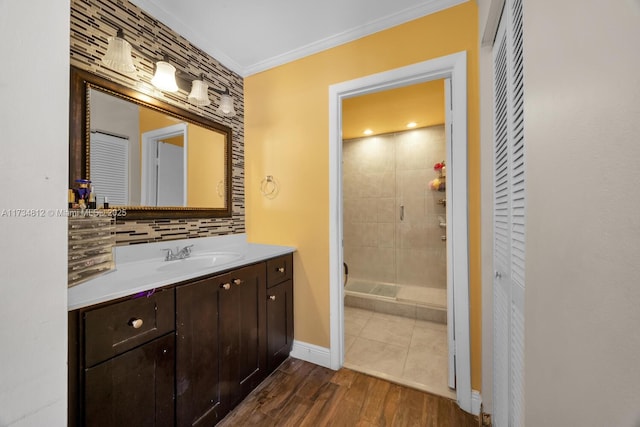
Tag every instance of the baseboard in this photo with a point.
(311, 353)
(476, 402)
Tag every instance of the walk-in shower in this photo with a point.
(394, 223)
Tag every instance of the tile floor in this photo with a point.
(407, 351)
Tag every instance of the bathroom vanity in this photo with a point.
(181, 342)
(174, 335)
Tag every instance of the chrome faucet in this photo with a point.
(178, 254)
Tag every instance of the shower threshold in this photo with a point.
(401, 300)
(372, 289)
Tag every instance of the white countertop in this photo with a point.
(137, 267)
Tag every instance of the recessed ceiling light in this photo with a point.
(412, 124)
(368, 132)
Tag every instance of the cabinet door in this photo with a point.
(279, 323)
(242, 332)
(133, 389)
(197, 362)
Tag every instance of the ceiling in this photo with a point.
(392, 110)
(249, 36)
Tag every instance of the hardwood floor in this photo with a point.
(299, 393)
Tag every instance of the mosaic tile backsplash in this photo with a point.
(92, 22)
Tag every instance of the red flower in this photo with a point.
(438, 166)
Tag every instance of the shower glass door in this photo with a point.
(393, 219)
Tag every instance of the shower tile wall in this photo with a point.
(381, 174)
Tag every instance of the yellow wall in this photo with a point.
(206, 167)
(176, 140)
(287, 136)
(205, 148)
(390, 110)
(151, 120)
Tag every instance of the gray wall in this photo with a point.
(34, 89)
(582, 87)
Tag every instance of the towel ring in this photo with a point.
(269, 187)
(220, 188)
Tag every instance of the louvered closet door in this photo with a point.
(110, 168)
(509, 217)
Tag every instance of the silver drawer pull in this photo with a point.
(226, 286)
(272, 297)
(136, 323)
(280, 269)
(237, 281)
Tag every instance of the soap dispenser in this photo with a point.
(92, 198)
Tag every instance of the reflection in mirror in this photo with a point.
(153, 158)
(142, 157)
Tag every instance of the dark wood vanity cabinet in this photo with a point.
(185, 355)
(122, 363)
(279, 310)
(221, 344)
(243, 346)
(133, 389)
(198, 385)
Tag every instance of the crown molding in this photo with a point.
(401, 17)
(355, 33)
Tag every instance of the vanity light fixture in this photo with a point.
(118, 56)
(165, 76)
(226, 103)
(412, 124)
(368, 132)
(199, 94)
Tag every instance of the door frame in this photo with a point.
(454, 67)
(149, 179)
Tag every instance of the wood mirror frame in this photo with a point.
(79, 134)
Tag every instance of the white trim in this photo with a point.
(476, 402)
(491, 23)
(311, 353)
(451, 336)
(452, 66)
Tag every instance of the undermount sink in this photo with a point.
(200, 261)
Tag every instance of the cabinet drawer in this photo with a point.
(116, 328)
(279, 269)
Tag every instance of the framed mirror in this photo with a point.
(148, 158)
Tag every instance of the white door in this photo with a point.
(164, 166)
(170, 178)
(451, 336)
(509, 217)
